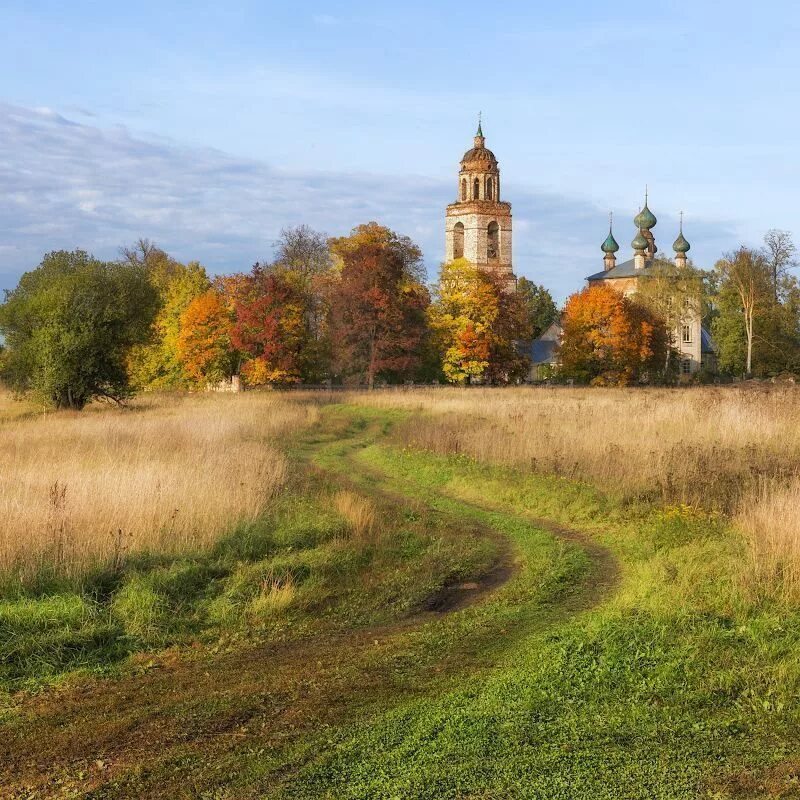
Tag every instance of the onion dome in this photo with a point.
(639, 242)
(610, 244)
(680, 245)
(645, 219)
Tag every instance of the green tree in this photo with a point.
(538, 307)
(674, 294)
(745, 294)
(69, 326)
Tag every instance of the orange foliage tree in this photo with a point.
(610, 339)
(378, 305)
(204, 348)
(272, 327)
(476, 322)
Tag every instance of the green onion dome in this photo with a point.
(639, 242)
(680, 245)
(645, 219)
(610, 244)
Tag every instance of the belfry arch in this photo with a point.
(458, 240)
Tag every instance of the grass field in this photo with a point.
(423, 606)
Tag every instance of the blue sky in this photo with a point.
(209, 126)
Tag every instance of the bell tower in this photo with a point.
(478, 224)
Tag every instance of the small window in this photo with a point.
(489, 189)
(493, 241)
(476, 190)
(687, 334)
(464, 189)
(686, 366)
(458, 240)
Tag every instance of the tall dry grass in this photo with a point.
(168, 474)
(730, 449)
(770, 518)
(707, 447)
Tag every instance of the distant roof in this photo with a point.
(706, 342)
(626, 269)
(543, 351)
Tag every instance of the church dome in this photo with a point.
(645, 219)
(639, 242)
(479, 159)
(610, 244)
(680, 245)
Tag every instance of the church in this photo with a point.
(478, 228)
(691, 340)
(478, 224)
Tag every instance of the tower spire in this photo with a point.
(480, 128)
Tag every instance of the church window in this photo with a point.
(476, 190)
(458, 240)
(493, 241)
(489, 189)
(464, 189)
(687, 334)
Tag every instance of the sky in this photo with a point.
(208, 127)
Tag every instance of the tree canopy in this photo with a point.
(69, 326)
(609, 339)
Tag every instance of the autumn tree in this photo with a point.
(205, 346)
(271, 327)
(538, 307)
(378, 305)
(675, 294)
(610, 339)
(69, 326)
(477, 323)
(156, 363)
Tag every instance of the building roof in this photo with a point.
(479, 156)
(626, 269)
(543, 351)
(706, 342)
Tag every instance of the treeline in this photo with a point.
(353, 310)
(749, 303)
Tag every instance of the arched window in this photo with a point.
(476, 190)
(458, 239)
(489, 189)
(464, 189)
(492, 241)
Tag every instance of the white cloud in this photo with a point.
(68, 185)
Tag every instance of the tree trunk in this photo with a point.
(749, 329)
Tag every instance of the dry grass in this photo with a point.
(730, 449)
(168, 474)
(770, 518)
(705, 447)
(358, 511)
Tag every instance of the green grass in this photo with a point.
(624, 661)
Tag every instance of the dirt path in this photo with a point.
(174, 729)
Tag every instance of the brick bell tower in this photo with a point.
(478, 224)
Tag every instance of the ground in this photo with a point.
(523, 636)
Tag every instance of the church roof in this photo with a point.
(483, 155)
(627, 269)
